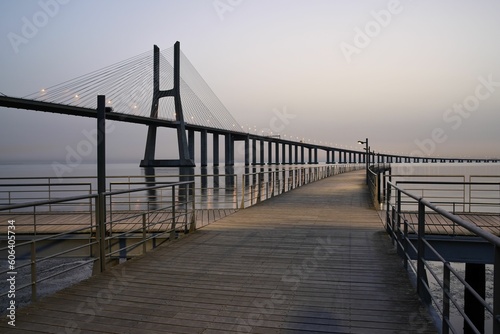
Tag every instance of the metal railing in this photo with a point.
(131, 218)
(262, 185)
(101, 235)
(376, 176)
(458, 197)
(403, 233)
(456, 193)
(26, 192)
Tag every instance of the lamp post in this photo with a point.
(367, 155)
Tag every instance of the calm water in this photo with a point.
(133, 169)
(449, 169)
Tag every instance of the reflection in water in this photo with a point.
(216, 185)
(186, 174)
(204, 182)
(230, 180)
(151, 182)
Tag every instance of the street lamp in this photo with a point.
(367, 157)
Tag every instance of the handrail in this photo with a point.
(449, 182)
(394, 221)
(163, 217)
(46, 202)
(119, 192)
(463, 223)
(375, 185)
(98, 234)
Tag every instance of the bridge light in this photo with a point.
(76, 96)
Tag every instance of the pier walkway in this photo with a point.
(314, 260)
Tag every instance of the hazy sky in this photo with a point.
(414, 76)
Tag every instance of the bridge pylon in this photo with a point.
(185, 160)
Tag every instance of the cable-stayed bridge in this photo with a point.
(249, 259)
(163, 89)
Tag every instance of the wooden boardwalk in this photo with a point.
(439, 225)
(66, 222)
(315, 260)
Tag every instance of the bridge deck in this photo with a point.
(313, 260)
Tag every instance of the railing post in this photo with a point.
(421, 275)
(33, 271)
(398, 206)
(192, 227)
(101, 177)
(446, 298)
(50, 194)
(496, 292)
(378, 187)
(101, 230)
(172, 232)
(259, 192)
(388, 206)
(405, 244)
(144, 233)
(242, 206)
(251, 194)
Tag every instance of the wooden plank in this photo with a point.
(122, 221)
(439, 225)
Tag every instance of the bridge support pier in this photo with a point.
(475, 275)
(229, 150)
(191, 143)
(247, 151)
(277, 153)
(283, 153)
(302, 160)
(296, 154)
(262, 162)
(269, 152)
(215, 148)
(203, 148)
(185, 160)
(254, 152)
